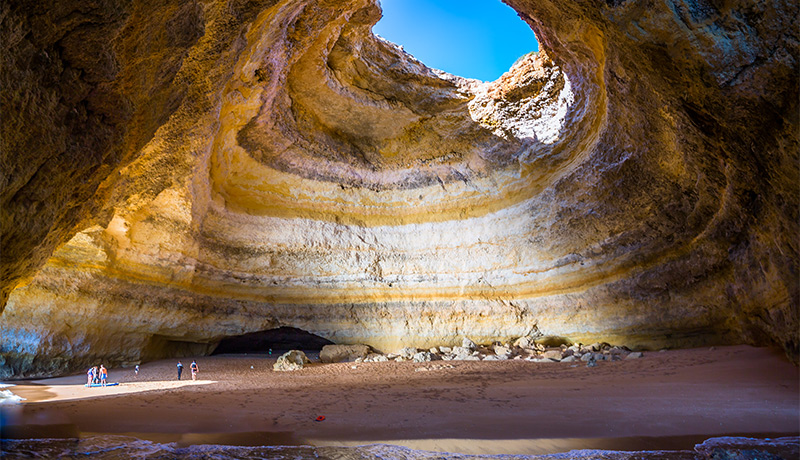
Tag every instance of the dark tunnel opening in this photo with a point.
(278, 340)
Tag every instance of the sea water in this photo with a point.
(7, 397)
(123, 448)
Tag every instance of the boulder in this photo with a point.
(469, 344)
(339, 353)
(525, 342)
(552, 354)
(422, 357)
(407, 353)
(634, 355)
(292, 360)
(502, 350)
(461, 352)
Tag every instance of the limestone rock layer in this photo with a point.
(175, 173)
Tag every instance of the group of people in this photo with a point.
(97, 376)
(193, 367)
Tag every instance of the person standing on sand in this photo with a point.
(180, 369)
(103, 375)
(194, 369)
(90, 376)
(95, 375)
(136, 370)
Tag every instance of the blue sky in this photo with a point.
(470, 38)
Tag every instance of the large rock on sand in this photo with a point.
(339, 353)
(292, 360)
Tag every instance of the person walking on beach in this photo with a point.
(180, 369)
(103, 375)
(90, 376)
(136, 370)
(95, 375)
(194, 369)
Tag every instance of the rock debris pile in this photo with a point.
(524, 348)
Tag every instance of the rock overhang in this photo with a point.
(312, 175)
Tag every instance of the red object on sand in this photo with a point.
(320, 418)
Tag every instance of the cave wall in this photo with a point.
(188, 171)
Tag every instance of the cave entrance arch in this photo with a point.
(470, 38)
(279, 340)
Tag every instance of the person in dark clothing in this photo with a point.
(180, 369)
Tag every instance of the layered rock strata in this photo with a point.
(178, 173)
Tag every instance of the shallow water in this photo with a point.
(121, 447)
(124, 447)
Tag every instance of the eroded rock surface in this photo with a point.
(177, 173)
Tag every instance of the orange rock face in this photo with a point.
(179, 173)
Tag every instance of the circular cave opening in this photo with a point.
(477, 39)
(278, 340)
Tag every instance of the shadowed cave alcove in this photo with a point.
(278, 340)
(162, 347)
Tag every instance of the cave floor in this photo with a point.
(665, 400)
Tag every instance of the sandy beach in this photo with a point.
(669, 399)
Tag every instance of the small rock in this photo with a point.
(375, 358)
(496, 358)
(466, 357)
(592, 362)
(569, 359)
(434, 351)
(339, 353)
(469, 344)
(292, 360)
(444, 350)
(422, 357)
(587, 356)
(634, 355)
(502, 350)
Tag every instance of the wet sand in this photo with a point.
(662, 401)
